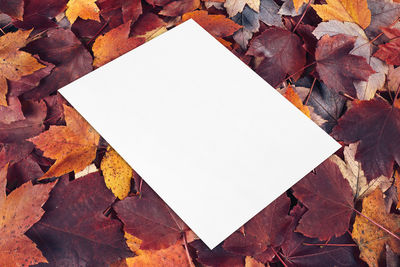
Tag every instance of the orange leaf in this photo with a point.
(114, 44)
(217, 25)
(298, 3)
(345, 10)
(370, 238)
(15, 63)
(85, 9)
(294, 98)
(73, 146)
(18, 212)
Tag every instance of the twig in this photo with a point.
(185, 244)
(377, 224)
(97, 33)
(280, 259)
(302, 16)
(309, 93)
(303, 68)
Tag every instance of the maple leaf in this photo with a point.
(71, 59)
(390, 52)
(299, 3)
(329, 199)
(117, 173)
(336, 67)
(383, 14)
(281, 52)
(15, 63)
(32, 125)
(235, 6)
(13, 8)
(345, 10)
(217, 25)
(150, 219)
(85, 9)
(76, 227)
(18, 212)
(370, 238)
(179, 7)
(114, 44)
(174, 255)
(294, 98)
(376, 124)
(72, 146)
(131, 9)
(362, 47)
(217, 257)
(352, 172)
(266, 229)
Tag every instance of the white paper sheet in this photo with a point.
(212, 138)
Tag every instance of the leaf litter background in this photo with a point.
(68, 199)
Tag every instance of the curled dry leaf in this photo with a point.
(18, 212)
(345, 10)
(15, 63)
(72, 146)
(85, 9)
(117, 173)
(352, 172)
(370, 238)
(114, 44)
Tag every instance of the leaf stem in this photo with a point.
(302, 16)
(185, 244)
(309, 93)
(277, 255)
(97, 33)
(377, 224)
(303, 68)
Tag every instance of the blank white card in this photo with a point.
(211, 137)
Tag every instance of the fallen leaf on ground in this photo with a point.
(15, 63)
(85, 9)
(72, 146)
(21, 209)
(117, 173)
(345, 10)
(294, 98)
(114, 44)
(390, 51)
(235, 6)
(370, 238)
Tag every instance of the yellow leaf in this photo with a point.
(15, 63)
(85, 9)
(114, 44)
(294, 98)
(72, 146)
(370, 238)
(345, 10)
(251, 262)
(299, 3)
(117, 173)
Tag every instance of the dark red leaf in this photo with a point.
(390, 52)
(13, 8)
(14, 152)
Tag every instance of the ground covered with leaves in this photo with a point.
(68, 199)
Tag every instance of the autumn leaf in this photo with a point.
(390, 51)
(76, 227)
(148, 27)
(251, 262)
(117, 173)
(353, 172)
(18, 212)
(299, 3)
(294, 98)
(13, 8)
(281, 53)
(15, 63)
(383, 14)
(235, 6)
(72, 146)
(345, 10)
(179, 7)
(217, 25)
(376, 124)
(174, 255)
(336, 67)
(114, 44)
(150, 219)
(370, 238)
(85, 9)
(329, 199)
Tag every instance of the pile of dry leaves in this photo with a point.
(68, 199)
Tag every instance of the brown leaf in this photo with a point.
(114, 44)
(13, 8)
(18, 212)
(179, 7)
(15, 63)
(235, 6)
(370, 238)
(72, 146)
(336, 67)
